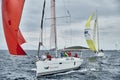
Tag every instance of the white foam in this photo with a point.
(33, 69)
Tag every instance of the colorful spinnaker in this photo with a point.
(11, 15)
(90, 41)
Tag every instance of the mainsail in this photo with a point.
(53, 39)
(88, 36)
(11, 15)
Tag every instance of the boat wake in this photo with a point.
(33, 69)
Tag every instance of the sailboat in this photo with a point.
(11, 15)
(92, 35)
(56, 64)
(117, 46)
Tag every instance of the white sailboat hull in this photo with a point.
(57, 65)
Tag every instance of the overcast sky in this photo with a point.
(70, 30)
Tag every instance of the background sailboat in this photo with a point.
(117, 46)
(92, 35)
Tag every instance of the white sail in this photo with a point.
(53, 38)
(117, 46)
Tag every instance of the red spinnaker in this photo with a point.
(11, 15)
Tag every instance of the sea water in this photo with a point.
(23, 67)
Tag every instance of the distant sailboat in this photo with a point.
(57, 64)
(117, 46)
(11, 15)
(92, 37)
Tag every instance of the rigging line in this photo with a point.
(64, 6)
(67, 11)
(57, 17)
(68, 21)
(68, 14)
(41, 28)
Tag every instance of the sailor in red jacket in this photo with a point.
(49, 57)
(76, 55)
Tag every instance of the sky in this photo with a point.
(70, 30)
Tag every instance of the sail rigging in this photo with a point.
(11, 15)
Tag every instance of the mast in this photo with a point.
(41, 30)
(53, 23)
(97, 31)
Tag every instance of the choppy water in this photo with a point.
(20, 68)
